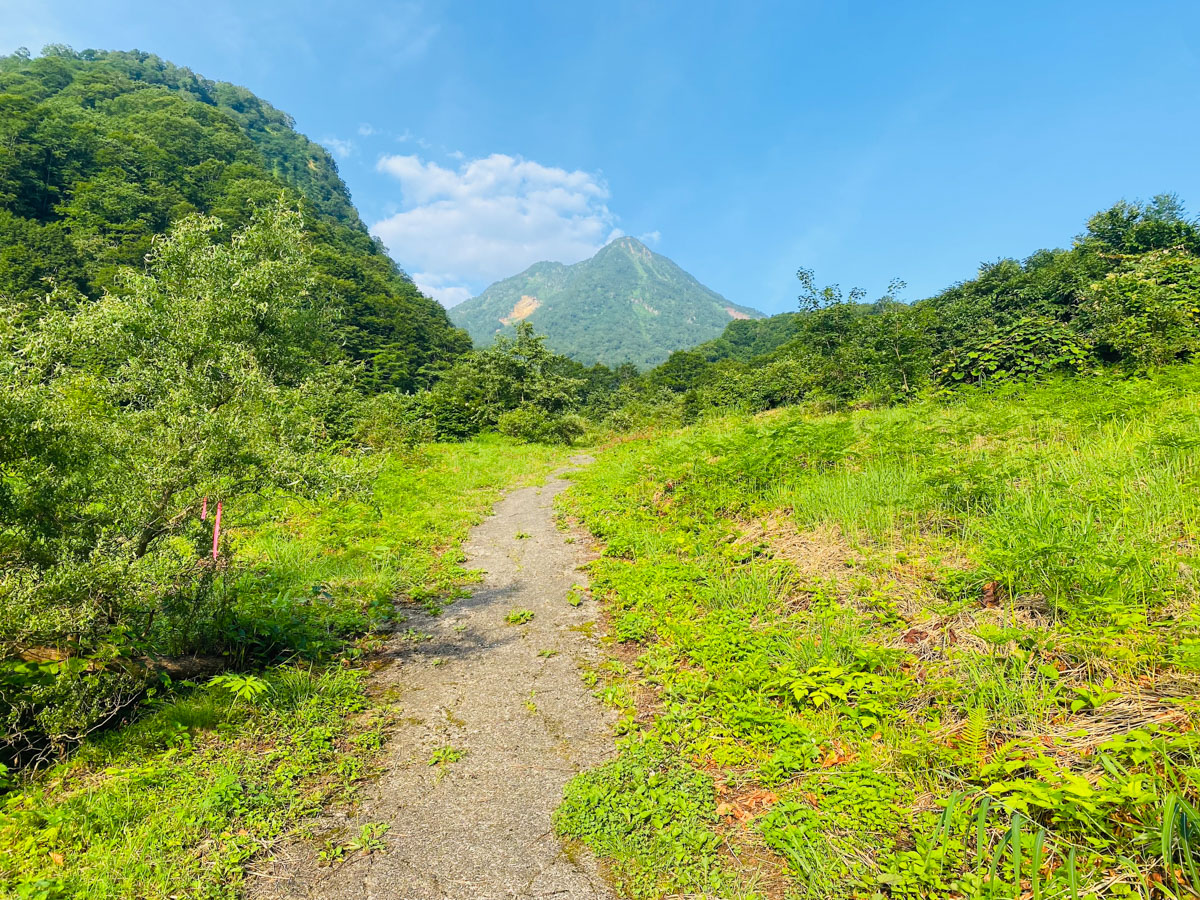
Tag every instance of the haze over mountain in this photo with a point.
(625, 304)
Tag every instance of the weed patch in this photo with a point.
(178, 803)
(648, 814)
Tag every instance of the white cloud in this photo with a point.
(338, 147)
(461, 229)
(650, 237)
(435, 285)
(366, 129)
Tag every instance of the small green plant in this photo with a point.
(576, 595)
(972, 742)
(519, 616)
(857, 694)
(1089, 696)
(246, 688)
(369, 839)
(330, 853)
(522, 535)
(444, 756)
(547, 654)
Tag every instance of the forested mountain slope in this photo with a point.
(625, 304)
(100, 151)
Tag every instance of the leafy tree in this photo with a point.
(516, 382)
(102, 151)
(210, 374)
(1148, 312)
(1138, 227)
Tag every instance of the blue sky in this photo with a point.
(865, 140)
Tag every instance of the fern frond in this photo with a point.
(973, 742)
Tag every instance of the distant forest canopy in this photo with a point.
(101, 151)
(1126, 293)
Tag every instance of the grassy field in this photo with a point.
(180, 801)
(949, 649)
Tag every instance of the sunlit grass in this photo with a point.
(913, 647)
(178, 803)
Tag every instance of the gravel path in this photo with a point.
(511, 697)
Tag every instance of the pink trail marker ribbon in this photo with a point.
(217, 531)
(203, 509)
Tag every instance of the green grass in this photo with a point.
(179, 802)
(354, 557)
(176, 804)
(952, 644)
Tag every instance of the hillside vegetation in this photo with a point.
(627, 304)
(102, 151)
(942, 650)
(1125, 294)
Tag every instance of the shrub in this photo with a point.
(390, 420)
(204, 376)
(532, 424)
(1149, 313)
(1033, 345)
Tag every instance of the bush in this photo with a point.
(391, 420)
(532, 425)
(1149, 313)
(206, 376)
(1034, 345)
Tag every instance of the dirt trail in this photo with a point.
(479, 828)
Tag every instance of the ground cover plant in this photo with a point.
(209, 773)
(946, 649)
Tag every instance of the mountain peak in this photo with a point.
(627, 242)
(625, 304)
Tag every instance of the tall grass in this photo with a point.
(986, 604)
